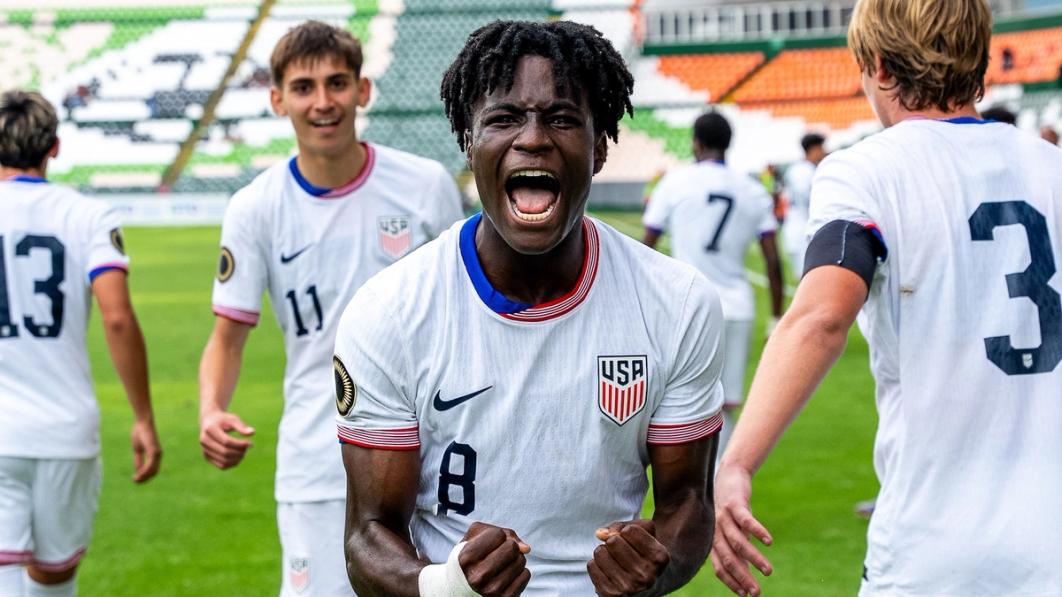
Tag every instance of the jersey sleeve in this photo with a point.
(691, 408)
(844, 189)
(658, 209)
(106, 247)
(445, 208)
(374, 391)
(242, 267)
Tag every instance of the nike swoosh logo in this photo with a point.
(441, 404)
(287, 258)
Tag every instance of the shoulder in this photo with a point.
(262, 191)
(393, 162)
(666, 276)
(418, 274)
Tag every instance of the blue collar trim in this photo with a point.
(28, 178)
(968, 120)
(491, 297)
(306, 185)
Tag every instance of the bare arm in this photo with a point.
(126, 345)
(807, 342)
(381, 559)
(769, 245)
(219, 369)
(643, 557)
(651, 237)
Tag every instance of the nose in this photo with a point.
(533, 136)
(322, 99)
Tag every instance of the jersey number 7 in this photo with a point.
(1031, 283)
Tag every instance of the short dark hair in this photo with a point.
(28, 126)
(583, 60)
(314, 40)
(1000, 114)
(812, 140)
(712, 131)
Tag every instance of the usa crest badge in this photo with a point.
(299, 574)
(396, 236)
(623, 384)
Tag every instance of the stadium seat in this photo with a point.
(715, 74)
(803, 74)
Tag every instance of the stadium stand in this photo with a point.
(1026, 56)
(717, 74)
(803, 74)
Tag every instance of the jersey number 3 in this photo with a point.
(1031, 283)
(49, 287)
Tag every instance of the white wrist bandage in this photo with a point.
(445, 580)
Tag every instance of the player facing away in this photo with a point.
(502, 390)
(310, 231)
(797, 185)
(57, 250)
(944, 234)
(714, 213)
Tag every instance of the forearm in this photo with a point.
(685, 528)
(219, 370)
(381, 561)
(797, 357)
(775, 280)
(129, 354)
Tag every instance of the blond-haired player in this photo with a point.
(58, 249)
(943, 233)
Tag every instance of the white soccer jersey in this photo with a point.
(53, 242)
(714, 213)
(964, 322)
(535, 418)
(311, 249)
(797, 186)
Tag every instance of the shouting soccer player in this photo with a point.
(945, 232)
(714, 214)
(57, 250)
(502, 391)
(310, 231)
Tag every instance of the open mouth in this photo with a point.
(532, 194)
(321, 123)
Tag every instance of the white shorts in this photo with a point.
(737, 336)
(311, 544)
(46, 510)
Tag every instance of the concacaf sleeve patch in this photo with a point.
(226, 265)
(346, 391)
(116, 240)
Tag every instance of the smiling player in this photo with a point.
(310, 231)
(502, 391)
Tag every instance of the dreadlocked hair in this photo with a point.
(583, 60)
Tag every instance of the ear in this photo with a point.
(54, 151)
(275, 99)
(364, 91)
(468, 148)
(600, 152)
(881, 75)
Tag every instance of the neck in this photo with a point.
(706, 155)
(331, 171)
(900, 113)
(531, 279)
(6, 172)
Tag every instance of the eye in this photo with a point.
(339, 84)
(500, 120)
(563, 121)
(300, 88)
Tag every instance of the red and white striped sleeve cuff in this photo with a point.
(15, 557)
(237, 315)
(406, 438)
(63, 565)
(669, 435)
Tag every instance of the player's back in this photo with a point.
(52, 241)
(714, 213)
(965, 326)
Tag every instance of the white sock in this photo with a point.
(729, 420)
(36, 589)
(11, 584)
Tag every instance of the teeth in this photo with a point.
(324, 122)
(519, 173)
(532, 217)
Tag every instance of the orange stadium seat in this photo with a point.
(1034, 56)
(803, 74)
(715, 73)
(836, 114)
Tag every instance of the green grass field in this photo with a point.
(195, 530)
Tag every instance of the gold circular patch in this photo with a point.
(117, 241)
(226, 265)
(346, 391)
